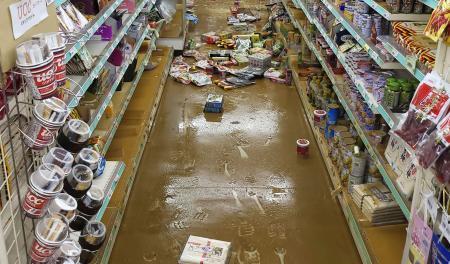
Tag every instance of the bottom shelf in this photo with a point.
(131, 137)
(376, 244)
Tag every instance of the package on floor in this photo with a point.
(260, 60)
(200, 250)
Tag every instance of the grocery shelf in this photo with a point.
(88, 31)
(367, 45)
(102, 107)
(174, 33)
(431, 3)
(388, 174)
(130, 88)
(106, 49)
(376, 107)
(108, 182)
(399, 53)
(375, 244)
(135, 152)
(383, 9)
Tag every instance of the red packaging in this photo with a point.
(433, 145)
(428, 106)
(35, 203)
(303, 147)
(41, 252)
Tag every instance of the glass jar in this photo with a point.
(406, 94)
(391, 95)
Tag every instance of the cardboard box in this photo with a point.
(200, 250)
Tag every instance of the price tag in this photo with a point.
(431, 205)
(444, 227)
(394, 53)
(366, 47)
(411, 62)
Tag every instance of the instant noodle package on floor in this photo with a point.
(200, 250)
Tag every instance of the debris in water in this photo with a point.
(280, 252)
(243, 153)
(226, 170)
(256, 199)
(149, 257)
(236, 199)
(269, 138)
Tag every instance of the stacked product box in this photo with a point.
(214, 103)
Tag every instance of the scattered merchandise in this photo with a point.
(204, 250)
(214, 104)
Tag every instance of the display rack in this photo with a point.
(102, 50)
(388, 174)
(130, 147)
(431, 3)
(376, 107)
(19, 161)
(382, 9)
(367, 45)
(399, 54)
(174, 33)
(375, 244)
(85, 35)
(95, 118)
(108, 126)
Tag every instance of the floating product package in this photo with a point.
(200, 250)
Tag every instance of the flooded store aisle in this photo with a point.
(234, 177)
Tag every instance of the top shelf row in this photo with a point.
(402, 59)
(89, 30)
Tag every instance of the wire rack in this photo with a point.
(17, 162)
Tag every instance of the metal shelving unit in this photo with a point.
(107, 99)
(384, 168)
(376, 107)
(86, 34)
(134, 166)
(174, 34)
(367, 45)
(431, 3)
(382, 9)
(399, 54)
(118, 118)
(102, 50)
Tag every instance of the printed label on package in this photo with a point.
(26, 14)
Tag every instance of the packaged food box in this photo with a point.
(200, 250)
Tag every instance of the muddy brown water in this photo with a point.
(234, 177)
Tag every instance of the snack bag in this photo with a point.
(429, 104)
(433, 145)
(438, 22)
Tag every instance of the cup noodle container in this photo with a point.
(57, 45)
(40, 71)
(60, 157)
(49, 115)
(319, 117)
(50, 232)
(90, 158)
(44, 184)
(303, 147)
(69, 250)
(64, 205)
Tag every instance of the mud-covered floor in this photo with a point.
(234, 177)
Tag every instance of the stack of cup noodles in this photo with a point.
(44, 184)
(36, 62)
(48, 116)
(50, 233)
(57, 45)
(91, 240)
